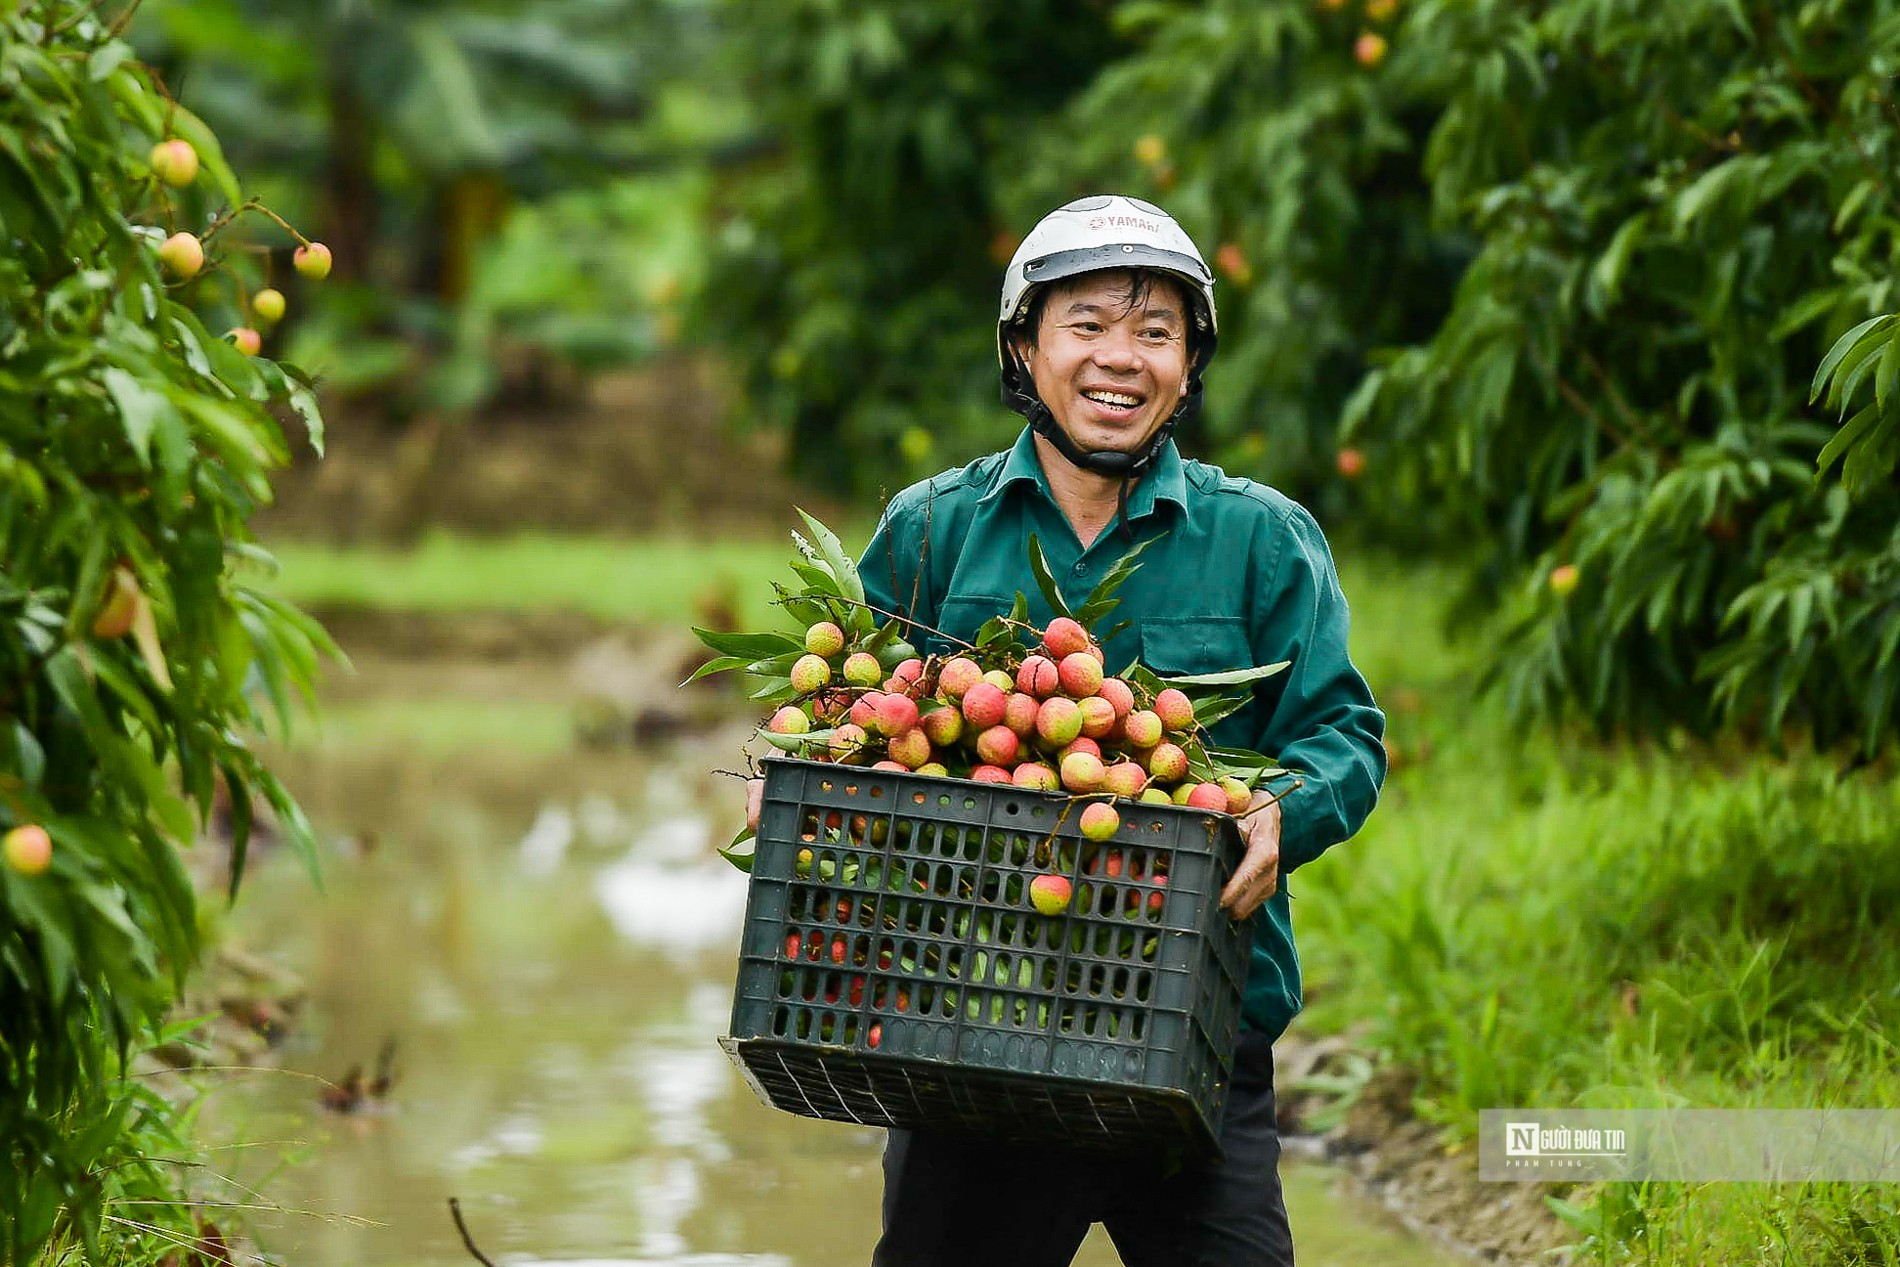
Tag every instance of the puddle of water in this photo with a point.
(547, 940)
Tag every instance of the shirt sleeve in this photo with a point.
(892, 565)
(1322, 723)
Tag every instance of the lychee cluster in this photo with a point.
(1050, 720)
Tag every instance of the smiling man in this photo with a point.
(1106, 326)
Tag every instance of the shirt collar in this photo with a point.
(1165, 481)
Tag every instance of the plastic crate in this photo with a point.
(894, 973)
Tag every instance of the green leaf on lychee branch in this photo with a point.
(817, 580)
(1251, 767)
(750, 646)
(720, 664)
(1045, 579)
(796, 743)
(1232, 677)
(776, 666)
(1101, 599)
(805, 610)
(730, 853)
(831, 550)
(775, 690)
(1216, 707)
(997, 635)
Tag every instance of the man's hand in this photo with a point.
(1259, 872)
(754, 800)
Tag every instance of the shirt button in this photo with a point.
(1078, 568)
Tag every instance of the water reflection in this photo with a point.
(550, 943)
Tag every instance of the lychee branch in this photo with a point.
(903, 620)
(468, 1242)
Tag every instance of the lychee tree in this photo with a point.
(135, 444)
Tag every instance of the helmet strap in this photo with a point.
(1020, 396)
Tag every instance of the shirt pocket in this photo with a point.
(960, 617)
(1188, 646)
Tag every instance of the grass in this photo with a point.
(1530, 919)
(662, 580)
(1535, 919)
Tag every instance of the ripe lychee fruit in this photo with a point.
(175, 162)
(1352, 463)
(312, 261)
(1168, 763)
(121, 605)
(1038, 677)
(909, 748)
(267, 306)
(998, 746)
(1143, 728)
(1001, 679)
(1119, 694)
(1020, 712)
(848, 741)
(1564, 578)
(935, 769)
(1064, 637)
(1369, 49)
(896, 714)
(1239, 795)
(28, 849)
(809, 674)
(825, 639)
(894, 767)
(957, 676)
(862, 669)
(1208, 796)
(1098, 716)
(1083, 744)
(247, 340)
(906, 676)
(789, 721)
(1124, 778)
(1058, 721)
(990, 773)
(182, 255)
(1082, 773)
(944, 725)
(1156, 796)
(1080, 675)
(1100, 821)
(1233, 264)
(1034, 774)
(863, 711)
(1050, 894)
(983, 705)
(1175, 709)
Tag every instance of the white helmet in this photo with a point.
(1089, 234)
(1105, 231)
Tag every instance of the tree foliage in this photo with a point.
(856, 271)
(136, 660)
(426, 139)
(1566, 271)
(1678, 209)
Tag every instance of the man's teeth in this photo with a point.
(1118, 399)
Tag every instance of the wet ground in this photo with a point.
(541, 938)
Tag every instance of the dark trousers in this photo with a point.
(952, 1202)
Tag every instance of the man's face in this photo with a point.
(1110, 358)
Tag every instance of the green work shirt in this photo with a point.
(1237, 576)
